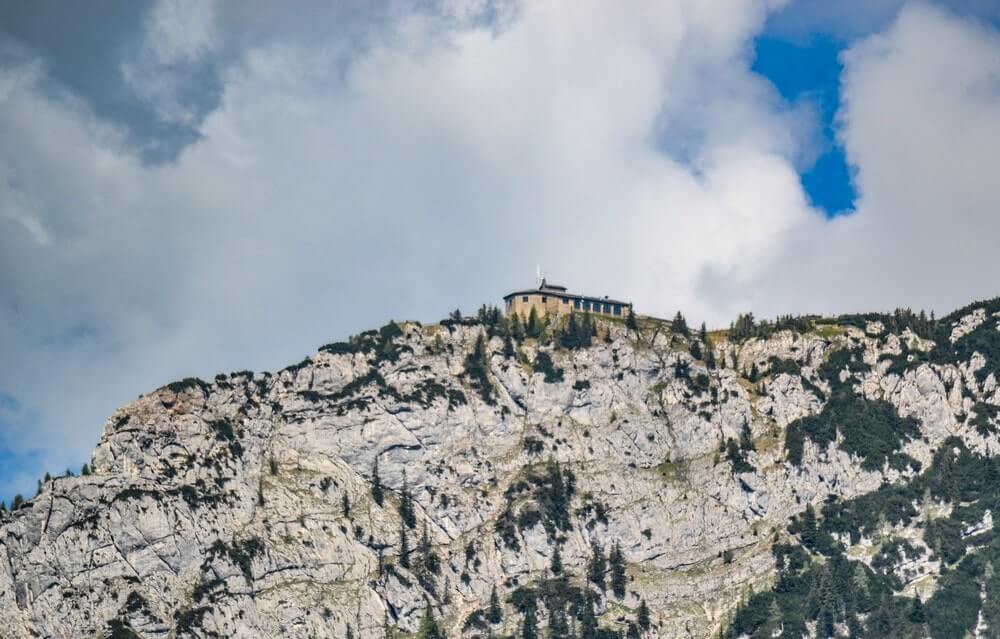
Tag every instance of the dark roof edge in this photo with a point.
(589, 298)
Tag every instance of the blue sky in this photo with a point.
(193, 187)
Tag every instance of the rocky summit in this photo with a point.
(587, 477)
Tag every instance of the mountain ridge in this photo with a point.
(247, 506)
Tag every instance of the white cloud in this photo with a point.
(920, 124)
(630, 152)
(179, 35)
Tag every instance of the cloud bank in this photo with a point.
(353, 168)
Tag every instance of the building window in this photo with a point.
(565, 300)
(618, 309)
(544, 299)
(524, 299)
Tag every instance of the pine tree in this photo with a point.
(529, 626)
(429, 628)
(350, 632)
(17, 503)
(753, 374)
(630, 320)
(588, 623)
(404, 547)
(917, 611)
(556, 563)
(428, 558)
(642, 616)
(558, 626)
(597, 566)
(495, 613)
(533, 328)
(345, 504)
(508, 347)
(406, 504)
(746, 438)
(632, 632)
(3, 506)
(679, 325)
(808, 533)
(588, 328)
(570, 337)
(617, 561)
(696, 350)
(377, 492)
(516, 327)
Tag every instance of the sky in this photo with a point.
(193, 187)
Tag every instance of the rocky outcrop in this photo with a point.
(244, 507)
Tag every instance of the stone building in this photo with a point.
(550, 298)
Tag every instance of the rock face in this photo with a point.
(245, 507)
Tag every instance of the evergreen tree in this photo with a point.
(529, 625)
(428, 558)
(632, 632)
(917, 612)
(556, 563)
(617, 561)
(570, 337)
(350, 632)
(17, 503)
(597, 566)
(703, 334)
(516, 327)
(642, 615)
(695, 350)
(808, 533)
(508, 347)
(630, 321)
(558, 625)
(495, 613)
(406, 504)
(588, 329)
(404, 547)
(429, 628)
(533, 327)
(753, 374)
(746, 438)
(588, 622)
(679, 325)
(3, 506)
(377, 493)
(345, 505)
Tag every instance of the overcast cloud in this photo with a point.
(353, 166)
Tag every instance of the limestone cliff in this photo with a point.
(246, 507)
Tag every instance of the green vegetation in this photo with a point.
(543, 364)
(817, 583)
(188, 383)
(746, 326)
(870, 429)
(477, 367)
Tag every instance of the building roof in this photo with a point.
(560, 291)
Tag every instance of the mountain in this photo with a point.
(593, 478)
